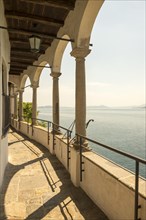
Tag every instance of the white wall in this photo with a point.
(4, 59)
(111, 187)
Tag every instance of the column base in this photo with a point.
(85, 145)
(57, 132)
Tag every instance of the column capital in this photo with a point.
(21, 90)
(15, 89)
(15, 93)
(55, 74)
(80, 52)
(34, 85)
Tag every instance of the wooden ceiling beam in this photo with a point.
(18, 65)
(22, 50)
(61, 4)
(24, 64)
(20, 62)
(29, 33)
(15, 73)
(23, 57)
(18, 68)
(26, 42)
(33, 18)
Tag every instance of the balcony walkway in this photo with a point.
(37, 186)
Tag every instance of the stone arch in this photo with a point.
(87, 22)
(23, 81)
(59, 54)
(36, 77)
(11, 82)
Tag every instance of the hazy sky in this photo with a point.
(115, 68)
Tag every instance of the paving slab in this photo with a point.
(37, 186)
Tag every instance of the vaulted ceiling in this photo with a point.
(25, 18)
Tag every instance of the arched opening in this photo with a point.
(115, 66)
(44, 95)
(115, 73)
(87, 22)
(67, 88)
(27, 95)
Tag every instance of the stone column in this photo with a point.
(34, 103)
(20, 113)
(15, 105)
(55, 76)
(80, 99)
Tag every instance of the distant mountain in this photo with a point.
(98, 107)
(141, 106)
(118, 107)
(102, 106)
(45, 106)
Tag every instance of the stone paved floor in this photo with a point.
(37, 186)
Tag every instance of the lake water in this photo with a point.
(123, 129)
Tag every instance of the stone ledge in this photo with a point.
(123, 175)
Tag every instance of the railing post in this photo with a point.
(53, 130)
(48, 133)
(27, 125)
(12, 119)
(19, 124)
(32, 126)
(68, 151)
(136, 190)
(81, 157)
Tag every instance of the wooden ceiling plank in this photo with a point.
(21, 54)
(61, 4)
(14, 73)
(24, 64)
(18, 69)
(18, 65)
(21, 50)
(22, 58)
(26, 41)
(33, 18)
(20, 62)
(29, 33)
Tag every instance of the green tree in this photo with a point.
(27, 111)
(27, 114)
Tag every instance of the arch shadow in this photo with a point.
(67, 192)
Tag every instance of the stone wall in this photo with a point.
(110, 186)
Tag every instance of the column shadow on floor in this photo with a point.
(86, 207)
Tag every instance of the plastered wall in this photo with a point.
(4, 59)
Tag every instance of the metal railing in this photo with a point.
(51, 128)
(55, 129)
(81, 139)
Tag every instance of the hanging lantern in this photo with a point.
(35, 43)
